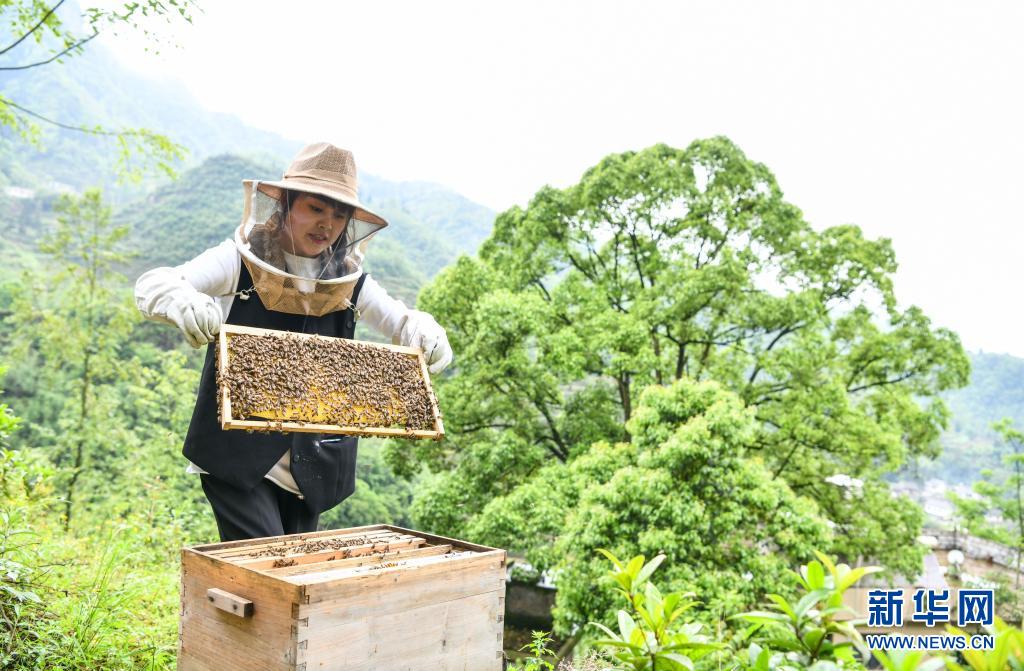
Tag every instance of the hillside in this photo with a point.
(172, 221)
(95, 89)
(969, 445)
(203, 206)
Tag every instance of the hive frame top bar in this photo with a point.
(227, 421)
(250, 330)
(212, 548)
(361, 552)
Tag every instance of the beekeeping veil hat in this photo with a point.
(287, 283)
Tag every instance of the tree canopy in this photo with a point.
(669, 264)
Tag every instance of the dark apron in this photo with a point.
(324, 469)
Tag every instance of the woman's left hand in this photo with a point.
(421, 330)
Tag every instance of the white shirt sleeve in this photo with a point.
(214, 273)
(381, 312)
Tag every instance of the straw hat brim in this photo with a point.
(320, 188)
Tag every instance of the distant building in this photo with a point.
(981, 559)
(19, 192)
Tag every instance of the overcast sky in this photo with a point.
(906, 118)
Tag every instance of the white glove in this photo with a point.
(420, 330)
(198, 317)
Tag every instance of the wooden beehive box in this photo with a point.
(369, 598)
(275, 380)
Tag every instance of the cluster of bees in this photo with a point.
(310, 546)
(326, 381)
(390, 564)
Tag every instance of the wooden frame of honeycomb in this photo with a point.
(373, 400)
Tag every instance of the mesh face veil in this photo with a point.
(301, 283)
(305, 251)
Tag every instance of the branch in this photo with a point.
(860, 369)
(537, 283)
(81, 129)
(785, 462)
(34, 28)
(52, 59)
(784, 332)
(480, 427)
(562, 450)
(880, 383)
(635, 255)
(556, 452)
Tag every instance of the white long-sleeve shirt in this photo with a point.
(215, 273)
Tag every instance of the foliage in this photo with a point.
(21, 609)
(1007, 653)
(999, 496)
(8, 422)
(666, 264)
(970, 444)
(180, 219)
(40, 22)
(903, 660)
(684, 487)
(808, 633)
(76, 336)
(102, 598)
(380, 496)
(652, 635)
(539, 653)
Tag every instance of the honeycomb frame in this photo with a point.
(229, 422)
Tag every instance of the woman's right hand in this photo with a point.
(197, 316)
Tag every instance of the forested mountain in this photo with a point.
(969, 445)
(203, 206)
(173, 220)
(94, 89)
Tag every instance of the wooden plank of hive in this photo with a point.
(330, 601)
(229, 547)
(347, 554)
(352, 551)
(343, 573)
(263, 642)
(229, 422)
(398, 555)
(442, 540)
(294, 546)
(461, 634)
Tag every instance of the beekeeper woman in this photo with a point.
(295, 264)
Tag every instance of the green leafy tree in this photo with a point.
(665, 264)
(684, 488)
(1001, 495)
(8, 422)
(73, 322)
(34, 26)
